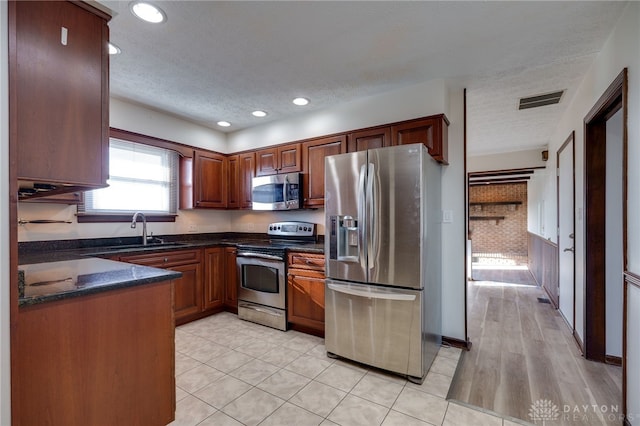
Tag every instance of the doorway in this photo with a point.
(566, 230)
(605, 204)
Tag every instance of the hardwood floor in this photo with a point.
(523, 352)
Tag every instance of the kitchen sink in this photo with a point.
(140, 246)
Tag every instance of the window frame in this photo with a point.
(181, 149)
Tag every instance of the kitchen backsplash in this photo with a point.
(188, 221)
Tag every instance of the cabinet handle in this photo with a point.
(166, 260)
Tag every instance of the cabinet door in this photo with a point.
(247, 172)
(187, 290)
(283, 159)
(210, 180)
(60, 92)
(314, 153)
(305, 299)
(214, 277)
(369, 139)
(289, 158)
(231, 280)
(431, 131)
(267, 162)
(233, 196)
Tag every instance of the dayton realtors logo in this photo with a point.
(545, 410)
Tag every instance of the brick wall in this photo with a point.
(507, 236)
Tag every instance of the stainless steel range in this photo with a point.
(262, 275)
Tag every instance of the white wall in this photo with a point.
(5, 379)
(507, 160)
(415, 101)
(257, 221)
(454, 234)
(536, 203)
(613, 236)
(138, 119)
(621, 50)
(203, 220)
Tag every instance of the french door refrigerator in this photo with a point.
(383, 258)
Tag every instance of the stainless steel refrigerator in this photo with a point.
(383, 254)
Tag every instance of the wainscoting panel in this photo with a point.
(543, 264)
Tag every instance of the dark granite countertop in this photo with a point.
(72, 268)
(50, 281)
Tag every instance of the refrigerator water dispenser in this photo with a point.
(344, 244)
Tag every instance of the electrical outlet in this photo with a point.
(192, 227)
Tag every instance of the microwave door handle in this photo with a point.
(285, 191)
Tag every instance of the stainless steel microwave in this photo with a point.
(277, 192)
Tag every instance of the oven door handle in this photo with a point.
(258, 255)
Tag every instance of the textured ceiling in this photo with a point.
(221, 60)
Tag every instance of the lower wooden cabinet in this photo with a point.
(188, 289)
(231, 280)
(101, 359)
(305, 286)
(208, 283)
(214, 278)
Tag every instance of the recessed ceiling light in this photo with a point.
(259, 113)
(148, 12)
(113, 49)
(224, 124)
(301, 101)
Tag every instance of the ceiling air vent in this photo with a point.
(540, 100)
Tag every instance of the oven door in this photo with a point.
(261, 279)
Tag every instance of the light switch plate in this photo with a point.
(447, 216)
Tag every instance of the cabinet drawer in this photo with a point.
(306, 261)
(165, 259)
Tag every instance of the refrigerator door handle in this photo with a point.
(372, 294)
(372, 234)
(362, 221)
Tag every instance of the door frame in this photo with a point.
(570, 139)
(612, 100)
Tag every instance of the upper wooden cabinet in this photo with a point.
(313, 153)
(369, 139)
(233, 195)
(280, 159)
(431, 131)
(59, 94)
(246, 172)
(203, 181)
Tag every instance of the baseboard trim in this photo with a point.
(457, 343)
(613, 360)
(578, 342)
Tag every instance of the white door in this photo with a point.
(566, 232)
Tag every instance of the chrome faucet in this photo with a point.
(144, 225)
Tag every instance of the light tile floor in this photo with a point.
(233, 372)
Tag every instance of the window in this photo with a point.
(141, 178)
